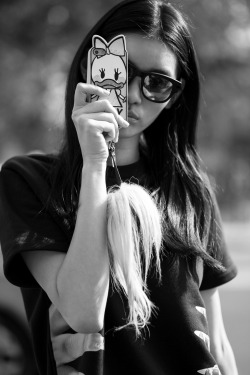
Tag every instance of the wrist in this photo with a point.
(93, 182)
(94, 165)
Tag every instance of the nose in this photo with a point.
(134, 91)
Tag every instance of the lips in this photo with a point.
(133, 115)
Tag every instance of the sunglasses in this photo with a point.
(156, 87)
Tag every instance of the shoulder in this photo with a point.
(26, 176)
(27, 222)
(33, 169)
(29, 164)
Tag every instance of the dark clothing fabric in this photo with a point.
(177, 340)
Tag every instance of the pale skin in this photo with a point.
(77, 282)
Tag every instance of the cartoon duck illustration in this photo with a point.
(108, 69)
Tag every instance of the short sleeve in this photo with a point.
(214, 277)
(25, 224)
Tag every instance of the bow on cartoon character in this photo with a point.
(108, 68)
(115, 47)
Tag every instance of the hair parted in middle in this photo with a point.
(178, 205)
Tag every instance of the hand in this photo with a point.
(68, 370)
(96, 123)
(69, 346)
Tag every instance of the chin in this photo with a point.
(131, 131)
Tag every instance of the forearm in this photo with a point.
(83, 278)
(224, 357)
(225, 360)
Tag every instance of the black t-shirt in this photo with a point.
(177, 339)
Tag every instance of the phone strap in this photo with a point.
(111, 147)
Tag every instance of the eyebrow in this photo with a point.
(161, 71)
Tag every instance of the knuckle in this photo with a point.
(80, 85)
(76, 116)
(88, 124)
(111, 117)
(87, 127)
(73, 345)
(66, 370)
(68, 345)
(82, 122)
(108, 105)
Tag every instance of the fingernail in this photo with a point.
(106, 91)
(126, 123)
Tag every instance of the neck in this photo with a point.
(127, 150)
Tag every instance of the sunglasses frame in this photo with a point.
(138, 73)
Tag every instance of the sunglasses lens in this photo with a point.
(157, 88)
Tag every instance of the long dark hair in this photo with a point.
(169, 143)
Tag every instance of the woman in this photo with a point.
(54, 241)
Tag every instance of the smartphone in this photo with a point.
(108, 68)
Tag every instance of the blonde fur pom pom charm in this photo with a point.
(134, 241)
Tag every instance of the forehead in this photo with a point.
(149, 55)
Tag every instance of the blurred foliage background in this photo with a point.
(37, 44)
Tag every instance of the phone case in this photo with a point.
(107, 68)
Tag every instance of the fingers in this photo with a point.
(96, 118)
(108, 130)
(83, 90)
(102, 118)
(101, 110)
(101, 105)
(105, 106)
(94, 342)
(67, 370)
(68, 347)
